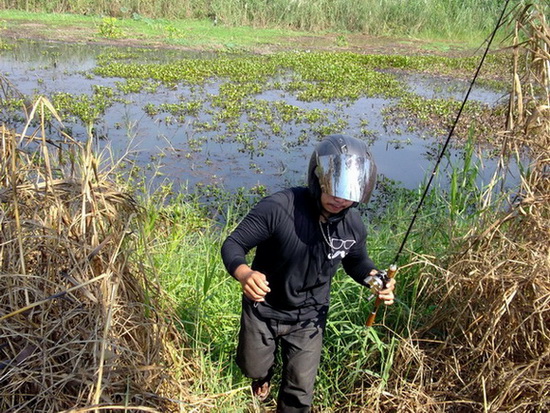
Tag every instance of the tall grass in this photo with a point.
(79, 326)
(439, 18)
(177, 246)
(183, 245)
(484, 346)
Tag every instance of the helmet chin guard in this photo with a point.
(343, 167)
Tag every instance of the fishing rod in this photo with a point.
(392, 270)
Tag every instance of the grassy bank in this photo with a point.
(182, 241)
(444, 19)
(112, 300)
(189, 33)
(162, 313)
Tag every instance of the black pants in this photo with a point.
(300, 345)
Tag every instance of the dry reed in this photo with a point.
(80, 328)
(486, 347)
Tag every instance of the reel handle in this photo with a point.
(372, 316)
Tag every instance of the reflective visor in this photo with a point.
(346, 176)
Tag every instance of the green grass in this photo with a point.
(388, 17)
(198, 33)
(239, 21)
(183, 238)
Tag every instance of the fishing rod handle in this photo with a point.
(372, 316)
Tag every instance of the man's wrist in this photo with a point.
(241, 272)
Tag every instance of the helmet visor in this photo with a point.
(346, 176)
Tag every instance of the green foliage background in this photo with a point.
(440, 18)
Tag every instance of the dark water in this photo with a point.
(183, 154)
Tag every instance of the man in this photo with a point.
(301, 236)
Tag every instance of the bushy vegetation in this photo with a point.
(114, 298)
(185, 251)
(162, 313)
(435, 18)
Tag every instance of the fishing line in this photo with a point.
(393, 267)
(442, 153)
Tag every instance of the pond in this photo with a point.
(220, 129)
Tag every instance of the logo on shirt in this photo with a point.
(339, 247)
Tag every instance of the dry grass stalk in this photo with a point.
(487, 346)
(494, 313)
(530, 97)
(78, 326)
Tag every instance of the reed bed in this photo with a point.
(485, 347)
(81, 328)
(446, 18)
(84, 326)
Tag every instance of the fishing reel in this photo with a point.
(378, 281)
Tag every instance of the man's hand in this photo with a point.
(254, 283)
(386, 295)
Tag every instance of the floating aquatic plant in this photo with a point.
(84, 107)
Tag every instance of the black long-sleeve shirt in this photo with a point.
(298, 254)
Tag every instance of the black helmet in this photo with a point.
(342, 166)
